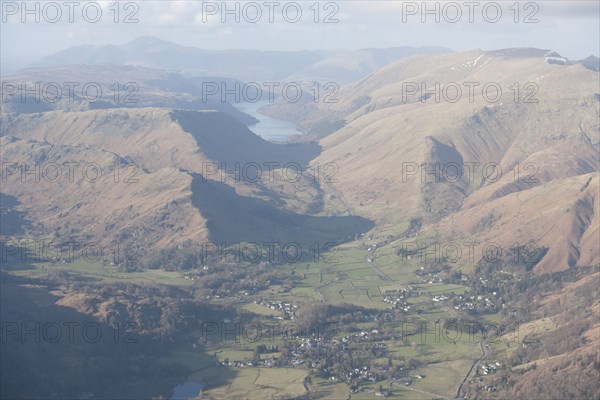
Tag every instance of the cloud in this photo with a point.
(570, 9)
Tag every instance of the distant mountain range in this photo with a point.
(339, 66)
(137, 87)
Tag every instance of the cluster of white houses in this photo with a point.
(286, 308)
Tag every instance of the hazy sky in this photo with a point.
(569, 27)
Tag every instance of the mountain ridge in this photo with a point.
(265, 65)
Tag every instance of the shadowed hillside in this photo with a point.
(232, 218)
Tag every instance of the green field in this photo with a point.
(442, 378)
(261, 383)
(96, 271)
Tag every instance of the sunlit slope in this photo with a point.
(562, 216)
(97, 196)
(401, 155)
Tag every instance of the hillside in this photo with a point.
(562, 216)
(168, 180)
(125, 205)
(506, 151)
(558, 358)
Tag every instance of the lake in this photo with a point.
(186, 390)
(269, 128)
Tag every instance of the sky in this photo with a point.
(571, 28)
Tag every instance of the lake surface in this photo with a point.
(269, 128)
(186, 390)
